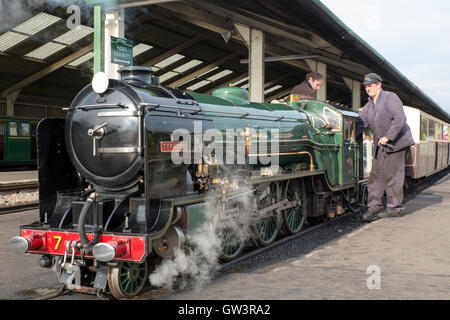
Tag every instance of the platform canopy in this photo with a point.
(200, 45)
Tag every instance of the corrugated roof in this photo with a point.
(37, 23)
(10, 39)
(45, 51)
(291, 27)
(74, 35)
(141, 48)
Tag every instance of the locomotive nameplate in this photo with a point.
(173, 146)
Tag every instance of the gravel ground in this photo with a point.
(9, 199)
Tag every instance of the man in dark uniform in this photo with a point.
(384, 114)
(308, 88)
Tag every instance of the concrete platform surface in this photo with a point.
(400, 258)
(396, 258)
(7, 177)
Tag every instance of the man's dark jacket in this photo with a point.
(304, 91)
(387, 119)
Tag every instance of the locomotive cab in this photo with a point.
(341, 126)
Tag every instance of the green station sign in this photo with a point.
(121, 51)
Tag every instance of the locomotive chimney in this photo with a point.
(139, 74)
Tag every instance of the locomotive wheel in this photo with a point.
(232, 245)
(267, 229)
(294, 218)
(128, 279)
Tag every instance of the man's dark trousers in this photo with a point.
(388, 174)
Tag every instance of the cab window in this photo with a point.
(318, 123)
(349, 130)
(332, 118)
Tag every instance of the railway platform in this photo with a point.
(13, 178)
(400, 258)
(393, 258)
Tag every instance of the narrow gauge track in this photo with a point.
(18, 208)
(18, 186)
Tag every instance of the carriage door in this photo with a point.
(350, 152)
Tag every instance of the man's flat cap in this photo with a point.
(371, 78)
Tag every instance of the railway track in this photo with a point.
(18, 186)
(18, 208)
(9, 187)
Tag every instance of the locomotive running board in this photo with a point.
(284, 177)
(167, 206)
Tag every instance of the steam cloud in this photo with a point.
(196, 266)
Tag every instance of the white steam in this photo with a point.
(195, 266)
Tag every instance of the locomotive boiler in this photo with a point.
(124, 179)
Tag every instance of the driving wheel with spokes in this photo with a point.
(268, 227)
(127, 279)
(294, 217)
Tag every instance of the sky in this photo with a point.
(413, 35)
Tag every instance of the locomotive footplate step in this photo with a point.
(101, 278)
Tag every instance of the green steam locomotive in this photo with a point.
(136, 170)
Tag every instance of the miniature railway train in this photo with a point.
(113, 202)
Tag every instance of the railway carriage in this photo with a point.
(18, 141)
(430, 152)
(114, 202)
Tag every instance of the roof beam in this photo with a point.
(320, 42)
(173, 19)
(326, 57)
(221, 16)
(277, 95)
(203, 70)
(44, 72)
(221, 26)
(143, 3)
(277, 79)
(283, 58)
(172, 51)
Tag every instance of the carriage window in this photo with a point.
(13, 129)
(446, 137)
(423, 128)
(24, 129)
(432, 130)
(332, 118)
(439, 131)
(349, 130)
(2, 128)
